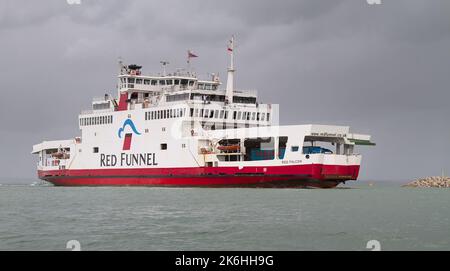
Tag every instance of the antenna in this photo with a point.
(122, 67)
(230, 79)
(164, 64)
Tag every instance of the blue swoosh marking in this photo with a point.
(126, 123)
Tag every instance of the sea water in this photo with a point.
(142, 218)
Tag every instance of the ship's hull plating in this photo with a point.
(320, 176)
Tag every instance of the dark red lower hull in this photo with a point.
(320, 176)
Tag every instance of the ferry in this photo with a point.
(176, 130)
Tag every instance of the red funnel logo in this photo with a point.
(128, 136)
(127, 142)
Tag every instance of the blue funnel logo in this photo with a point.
(128, 122)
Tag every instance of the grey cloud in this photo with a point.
(380, 69)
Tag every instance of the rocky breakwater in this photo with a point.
(436, 181)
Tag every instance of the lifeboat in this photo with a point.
(233, 148)
(60, 155)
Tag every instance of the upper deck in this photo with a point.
(163, 96)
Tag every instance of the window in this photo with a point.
(162, 82)
(146, 81)
(154, 82)
(169, 82)
(164, 146)
(253, 115)
(95, 150)
(282, 141)
(294, 148)
(138, 81)
(244, 100)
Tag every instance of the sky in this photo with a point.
(382, 69)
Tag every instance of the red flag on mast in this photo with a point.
(191, 55)
(230, 45)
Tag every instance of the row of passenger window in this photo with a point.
(154, 82)
(206, 113)
(223, 114)
(165, 114)
(96, 120)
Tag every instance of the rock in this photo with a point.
(434, 181)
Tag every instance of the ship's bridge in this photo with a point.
(157, 90)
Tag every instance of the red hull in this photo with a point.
(322, 176)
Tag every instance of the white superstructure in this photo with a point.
(174, 129)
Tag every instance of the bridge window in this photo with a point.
(138, 81)
(146, 81)
(154, 82)
(162, 82)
